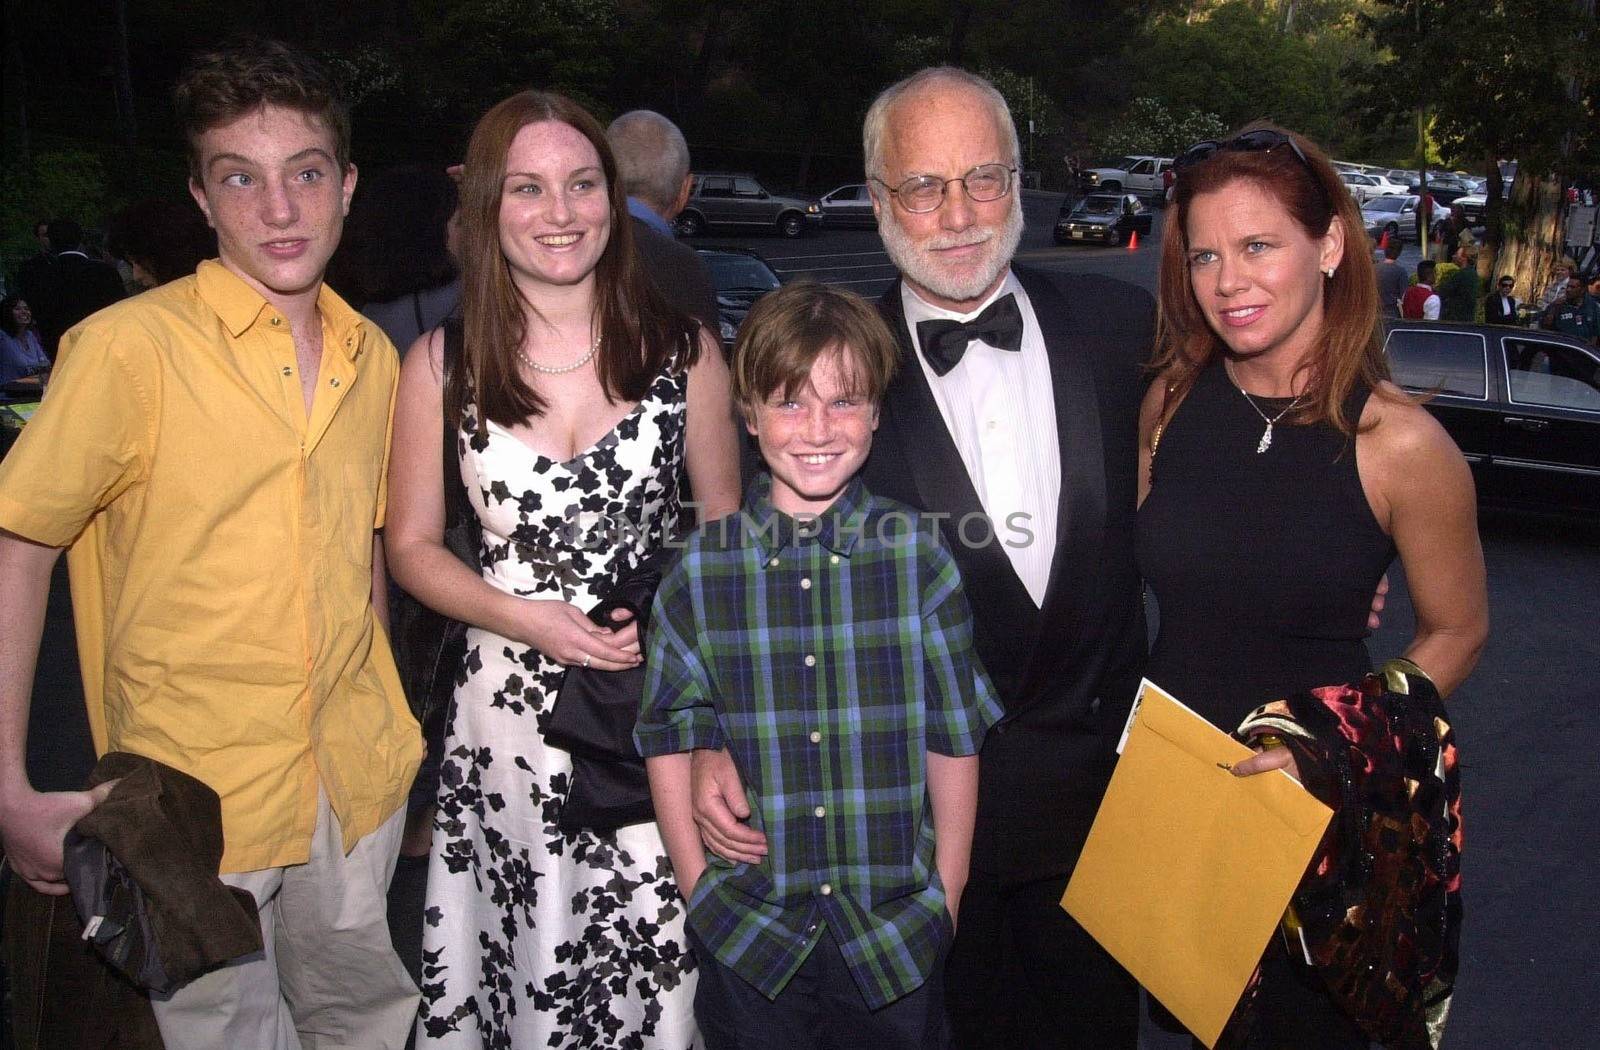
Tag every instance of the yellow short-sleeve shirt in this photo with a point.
(221, 553)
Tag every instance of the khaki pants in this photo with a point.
(328, 977)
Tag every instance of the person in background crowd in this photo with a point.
(25, 281)
(654, 161)
(1421, 303)
(1556, 290)
(1016, 401)
(214, 452)
(22, 358)
(1501, 307)
(72, 287)
(1281, 471)
(1459, 293)
(577, 394)
(1577, 313)
(1393, 281)
(399, 260)
(161, 239)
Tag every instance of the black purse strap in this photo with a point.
(456, 507)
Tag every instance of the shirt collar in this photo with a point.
(647, 215)
(919, 309)
(837, 528)
(240, 306)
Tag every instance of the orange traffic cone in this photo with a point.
(1383, 242)
(1133, 241)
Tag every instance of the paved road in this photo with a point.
(855, 258)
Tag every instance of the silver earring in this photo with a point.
(1328, 273)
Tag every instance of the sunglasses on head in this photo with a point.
(1262, 140)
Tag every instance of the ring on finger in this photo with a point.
(586, 660)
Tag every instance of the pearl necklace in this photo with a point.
(1266, 435)
(556, 370)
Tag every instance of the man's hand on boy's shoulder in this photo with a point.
(720, 809)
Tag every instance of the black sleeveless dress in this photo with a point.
(1263, 567)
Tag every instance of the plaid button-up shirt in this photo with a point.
(829, 656)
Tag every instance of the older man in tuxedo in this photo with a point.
(1014, 415)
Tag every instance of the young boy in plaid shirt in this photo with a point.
(822, 637)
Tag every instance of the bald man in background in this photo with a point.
(653, 159)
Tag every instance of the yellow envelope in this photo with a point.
(1188, 868)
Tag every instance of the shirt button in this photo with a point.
(821, 811)
(825, 889)
(805, 583)
(277, 321)
(811, 661)
(833, 559)
(334, 381)
(773, 563)
(816, 737)
(811, 929)
(288, 371)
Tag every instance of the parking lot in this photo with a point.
(1527, 720)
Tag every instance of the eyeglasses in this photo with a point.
(1262, 140)
(924, 193)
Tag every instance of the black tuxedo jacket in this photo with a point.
(1492, 312)
(1066, 673)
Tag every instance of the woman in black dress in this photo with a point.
(1281, 472)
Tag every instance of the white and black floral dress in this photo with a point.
(534, 938)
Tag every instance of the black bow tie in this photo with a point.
(943, 342)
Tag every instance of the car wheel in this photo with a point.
(1110, 187)
(1117, 237)
(1393, 230)
(791, 224)
(690, 224)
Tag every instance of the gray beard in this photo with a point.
(912, 260)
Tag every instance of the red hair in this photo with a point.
(1349, 351)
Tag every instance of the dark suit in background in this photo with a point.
(68, 290)
(679, 272)
(1021, 972)
(1498, 309)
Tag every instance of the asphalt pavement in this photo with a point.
(1527, 721)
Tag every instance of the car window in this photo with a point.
(1097, 206)
(1454, 363)
(846, 193)
(1554, 374)
(746, 188)
(739, 272)
(716, 187)
(1141, 168)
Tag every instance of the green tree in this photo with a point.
(1502, 79)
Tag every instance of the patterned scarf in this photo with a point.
(1380, 907)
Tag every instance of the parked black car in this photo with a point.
(1104, 218)
(739, 201)
(1444, 189)
(1522, 404)
(740, 277)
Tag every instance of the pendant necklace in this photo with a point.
(1266, 435)
(556, 370)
